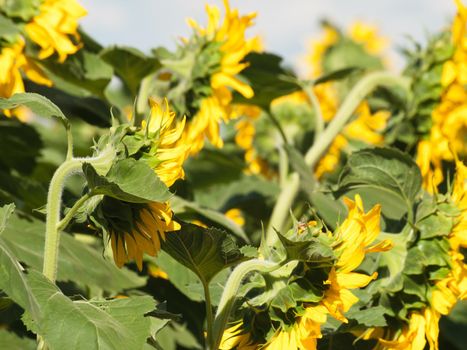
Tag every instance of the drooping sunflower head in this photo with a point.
(135, 228)
(55, 28)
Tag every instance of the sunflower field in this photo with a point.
(210, 197)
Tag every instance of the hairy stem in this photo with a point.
(322, 143)
(230, 292)
(54, 202)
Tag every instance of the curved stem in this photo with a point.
(282, 207)
(230, 292)
(343, 115)
(314, 154)
(69, 215)
(54, 202)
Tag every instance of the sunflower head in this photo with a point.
(135, 228)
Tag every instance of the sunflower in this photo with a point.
(354, 238)
(449, 118)
(135, 229)
(138, 228)
(233, 46)
(52, 27)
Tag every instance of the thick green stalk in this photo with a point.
(102, 162)
(230, 292)
(209, 315)
(321, 144)
(54, 202)
(343, 115)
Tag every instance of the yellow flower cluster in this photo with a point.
(234, 47)
(366, 125)
(50, 29)
(352, 241)
(153, 220)
(449, 118)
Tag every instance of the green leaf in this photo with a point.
(23, 144)
(24, 9)
(77, 261)
(435, 225)
(128, 180)
(36, 103)
(130, 64)
(337, 75)
(186, 281)
(204, 251)
(10, 341)
(385, 170)
(267, 78)
(82, 74)
(372, 317)
(98, 324)
(8, 29)
(92, 110)
(14, 283)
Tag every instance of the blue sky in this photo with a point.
(286, 26)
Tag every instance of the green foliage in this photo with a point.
(24, 9)
(128, 180)
(78, 261)
(267, 78)
(130, 64)
(36, 103)
(204, 251)
(391, 173)
(9, 340)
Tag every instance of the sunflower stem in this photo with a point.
(53, 225)
(230, 292)
(322, 143)
(209, 314)
(54, 202)
(69, 215)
